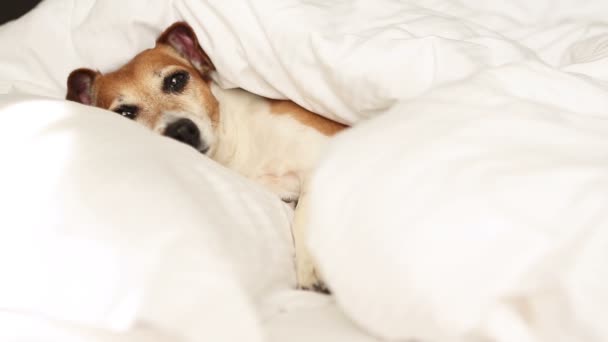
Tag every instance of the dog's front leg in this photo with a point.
(306, 271)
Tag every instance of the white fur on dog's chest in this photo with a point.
(276, 150)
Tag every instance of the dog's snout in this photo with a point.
(184, 130)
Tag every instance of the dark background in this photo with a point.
(10, 10)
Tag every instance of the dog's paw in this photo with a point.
(318, 286)
(309, 280)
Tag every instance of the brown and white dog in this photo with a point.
(169, 89)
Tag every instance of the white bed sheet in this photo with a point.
(295, 316)
(302, 316)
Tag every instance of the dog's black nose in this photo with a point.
(184, 130)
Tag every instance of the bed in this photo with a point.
(469, 202)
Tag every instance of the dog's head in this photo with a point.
(166, 88)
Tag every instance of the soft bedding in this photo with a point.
(106, 225)
(479, 213)
(467, 204)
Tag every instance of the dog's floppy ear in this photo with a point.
(181, 37)
(80, 85)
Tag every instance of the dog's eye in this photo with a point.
(175, 82)
(129, 112)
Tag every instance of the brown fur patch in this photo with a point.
(182, 38)
(306, 117)
(80, 85)
(138, 79)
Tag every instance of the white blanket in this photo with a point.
(488, 130)
(347, 60)
(478, 212)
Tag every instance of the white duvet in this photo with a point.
(468, 204)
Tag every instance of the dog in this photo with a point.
(169, 89)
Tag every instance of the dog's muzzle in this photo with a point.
(186, 131)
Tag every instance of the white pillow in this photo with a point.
(107, 224)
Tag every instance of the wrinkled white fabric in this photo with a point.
(107, 225)
(478, 212)
(347, 60)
